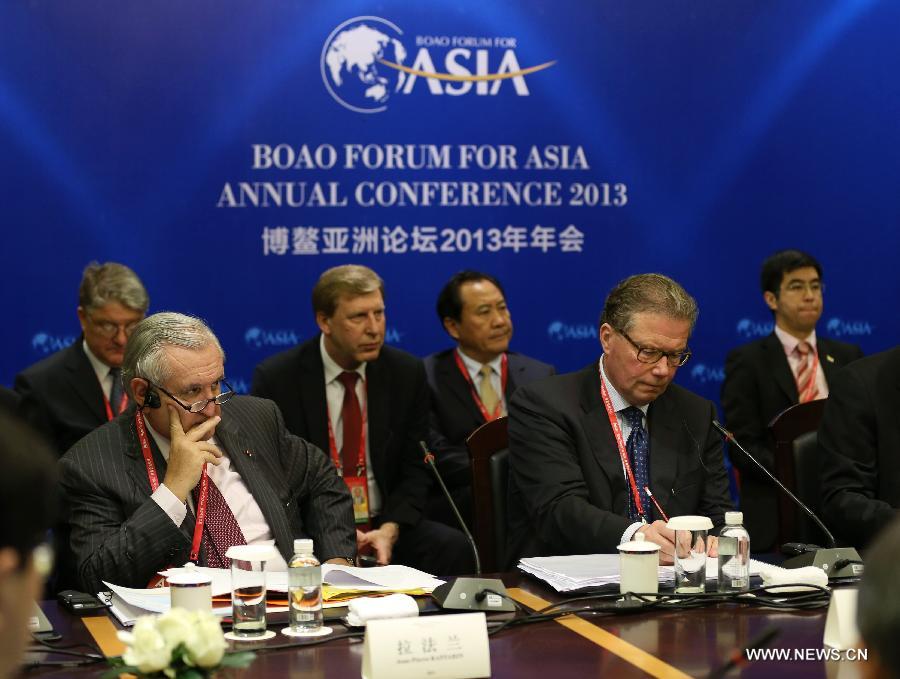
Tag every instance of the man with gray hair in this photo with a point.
(586, 447)
(78, 388)
(191, 470)
(367, 404)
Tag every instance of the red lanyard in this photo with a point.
(109, 412)
(623, 451)
(154, 484)
(332, 445)
(504, 372)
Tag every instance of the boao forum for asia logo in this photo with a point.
(47, 343)
(364, 62)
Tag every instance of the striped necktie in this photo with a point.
(807, 389)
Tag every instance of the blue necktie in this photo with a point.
(117, 392)
(638, 449)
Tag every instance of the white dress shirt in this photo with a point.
(237, 496)
(334, 396)
(619, 404)
(100, 369)
(474, 369)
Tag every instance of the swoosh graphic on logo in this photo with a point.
(467, 78)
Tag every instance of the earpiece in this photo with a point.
(151, 399)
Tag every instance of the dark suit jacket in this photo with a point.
(454, 413)
(61, 396)
(859, 441)
(759, 385)
(568, 494)
(398, 417)
(9, 400)
(119, 534)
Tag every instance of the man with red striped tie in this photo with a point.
(791, 365)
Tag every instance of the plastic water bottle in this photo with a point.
(734, 555)
(305, 589)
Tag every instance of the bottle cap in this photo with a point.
(303, 546)
(734, 518)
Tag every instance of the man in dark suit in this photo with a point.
(368, 405)
(69, 394)
(581, 454)
(135, 485)
(859, 441)
(765, 377)
(9, 400)
(471, 384)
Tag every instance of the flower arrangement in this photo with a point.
(178, 644)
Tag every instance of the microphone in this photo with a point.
(467, 594)
(429, 460)
(837, 562)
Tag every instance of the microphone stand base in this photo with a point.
(462, 594)
(826, 558)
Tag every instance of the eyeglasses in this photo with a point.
(199, 405)
(109, 329)
(798, 287)
(675, 359)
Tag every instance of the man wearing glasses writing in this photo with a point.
(74, 391)
(588, 448)
(192, 470)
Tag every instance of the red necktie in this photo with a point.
(806, 373)
(221, 530)
(352, 421)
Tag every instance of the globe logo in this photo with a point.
(351, 67)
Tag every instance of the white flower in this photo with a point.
(148, 650)
(206, 644)
(153, 639)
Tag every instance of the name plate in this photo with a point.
(435, 646)
(841, 631)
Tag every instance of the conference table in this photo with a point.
(686, 643)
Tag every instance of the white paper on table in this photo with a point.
(375, 579)
(158, 600)
(379, 578)
(580, 571)
(276, 581)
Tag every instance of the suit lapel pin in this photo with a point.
(248, 453)
(829, 358)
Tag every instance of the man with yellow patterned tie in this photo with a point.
(470, 384)
(762, 378)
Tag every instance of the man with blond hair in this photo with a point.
(367, 405)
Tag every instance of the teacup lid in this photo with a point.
(690, 522)
(251, 552)
(638, 544)
(190, 577)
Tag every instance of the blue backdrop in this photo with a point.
(231, 151)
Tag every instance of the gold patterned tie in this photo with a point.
(486, 391)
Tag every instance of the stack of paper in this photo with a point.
(583, 571)
(344, 582)
(340, 583)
